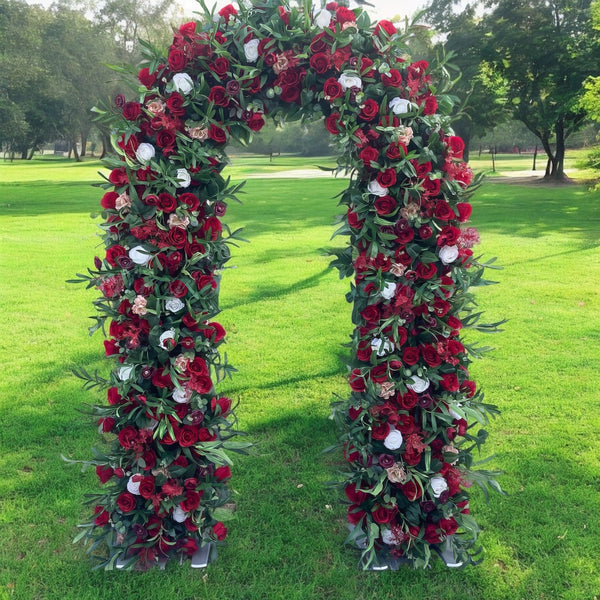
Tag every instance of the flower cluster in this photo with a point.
(406, 420)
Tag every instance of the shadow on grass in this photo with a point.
(268, 290)
(531, 212)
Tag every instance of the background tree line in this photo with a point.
(522, 67)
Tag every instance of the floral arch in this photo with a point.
(405, 430)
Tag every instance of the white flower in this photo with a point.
(418, 385)
(389, 291)
(182, 395)
(183, 83)
(376, 189)
(184, 178)
(448, 254)
(125, 372)
(349, 81)
(251, 50)
(388, 537)
(322, 19)
(133, 485)
(139, 255)
(383, 346)
(399, 105)
(165, 337)
(174, 305)
(145, 153)
(179, 515)
(438, 485)
(393, 440)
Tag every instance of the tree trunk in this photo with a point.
(31, 153)
(534, 157)
(75, 151)
(558, 162)
(105, 145)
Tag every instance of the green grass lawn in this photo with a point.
(286, 318)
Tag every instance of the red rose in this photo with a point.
(411, 490)
(456, 146)
(319, 62)
(219, 66)
(228, 11)
(146, 78)
(464, 211)
(201, 384)
(223, 473)
(107, 424)
(386, 26)
(430, 105)
(396, 151)
(126, 502)
(192, 500)
(197, 367)
(426, 271)
(175, 104)
(449, 382)
(190, 200)
(177, 288)
(102, 517)
(344, 15)
(128, 437)
(369, 154)
(111, 348)
(332, 89)
(369, 110)
(177, 59)
(383, 515)
(433, 535)
(104, 473)
(357, 382)
(468, 388)
(410, 355)
(217, 134)
(431, 356)
(220, 531)
(378, 374)
(290, 93)
(108, 200)
(380, 431)
(187, 435)
(223, 404)
(218, 96)
(408, 400)
(333, 123)
(132, 110)
(393, 78)
(113, 253)
(256, 122)
(431, 187)
(386, 178)
(165, 139)
(355, 496)
(355, 515)
(113, 396)
(385, 205)
(147, 487)
(371, 313)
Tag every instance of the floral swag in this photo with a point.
(405, 429)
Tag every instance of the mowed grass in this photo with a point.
(286, 319)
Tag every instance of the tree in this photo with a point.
(543, 50)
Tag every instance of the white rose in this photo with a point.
(145, 153)
(418, 385)
(182, 396)
(399, 105)
(382, 346)
(179, 515)
(184, 178)
(393, 440)
(376, 189)
(438, 485)
(164, 337)
(349, 81)
(448, 254)
(388, 537)
(139, 255)
(174, 305)
(323, 18)
(183, 83)
(251, 50)
(389, 291)
(133, 485)
(125, 372)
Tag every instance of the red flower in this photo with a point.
(228, 11)
(126, 502)
(386, 26)
(332, 89)
(219, 66)
(392, 78)
(319, 62)
(218, 96)
(104, 473)
(369, 110)
(177, 60)
(333, 123)
(220, 531)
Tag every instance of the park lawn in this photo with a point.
(286, 318)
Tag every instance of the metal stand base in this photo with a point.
(446, 553)
(200, 559)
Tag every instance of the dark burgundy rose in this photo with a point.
(132, 110)
(165, 140)
(175, 104)
(177, 60)
(177, 237)
(125, 262)
(177, 288)
(147, 487)
(410, 355)
(167, 202)
(290, 93)
(233, 87)
(219, 208)
(318, 43)
(426, 401)
(396, 151)
(427, 506)
(120, 100)
(383, 515)
(319, 62)
(126, 502)
(256, 122)
(385, 205)
(147, 372)
(386, 461)
(218, 95)
(140, 531)
(219, 66)
(196, 417)
(425, 232)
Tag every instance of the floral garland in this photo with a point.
(404, 428)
